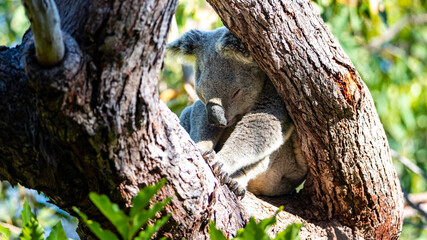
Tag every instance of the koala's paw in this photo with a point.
(224, 178)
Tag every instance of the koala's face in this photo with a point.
(228, 82)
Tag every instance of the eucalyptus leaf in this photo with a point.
(96, 228)
(215, 233)
(57, 233)
(32, 230)
(152, 229)
(113, 213)
(142, 217)
(4, 233)
(26, 213)
(142, 199)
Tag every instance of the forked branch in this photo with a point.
(46, 28)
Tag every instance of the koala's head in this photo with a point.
(227, 81)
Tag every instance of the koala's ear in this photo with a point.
(231, 47)
(186, 46)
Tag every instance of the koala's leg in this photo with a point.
(287, 170)
(255, 137)
(244, 176)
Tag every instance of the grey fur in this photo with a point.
(240, 115)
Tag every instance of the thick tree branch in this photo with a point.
(94, 121)
(351, 177)
(46, 27)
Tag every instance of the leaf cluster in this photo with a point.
(128, 226)
(31, 229)
(258, 231)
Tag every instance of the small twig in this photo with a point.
(413, 205)
(192, 96)
(408, 163)
(46, 28)
(418, 198)
(391, 32)
(16, 230)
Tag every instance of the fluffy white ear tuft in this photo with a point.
(231, 47)
(186, 46)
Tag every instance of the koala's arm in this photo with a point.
(258, 134)
(194, 119)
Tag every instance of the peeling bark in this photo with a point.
(94, 121)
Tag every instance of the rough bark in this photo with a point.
(95, 123)
(351, 177)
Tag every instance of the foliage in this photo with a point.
(258, 231)
(13, 22)
(128, 226)
(11, 202)
(31, 229)
(4, 233)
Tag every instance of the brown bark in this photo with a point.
(95, 123)
(351, 177)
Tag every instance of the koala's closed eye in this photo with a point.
(236, 93)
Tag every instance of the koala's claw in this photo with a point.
(224, 178)
(217, 169)
(234, 186)
(209, 156)
(240, 193)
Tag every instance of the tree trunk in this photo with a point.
(94, 122)
(351, 177)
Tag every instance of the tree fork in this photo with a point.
(96, 122)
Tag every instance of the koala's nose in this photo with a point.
(216, 115)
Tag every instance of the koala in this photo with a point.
(239, 115)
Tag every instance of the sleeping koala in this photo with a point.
(240, 115)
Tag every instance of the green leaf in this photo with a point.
(215, 233)
(57, 233)
(152, 229)
(32, 230)
(253, 231)
(257, 231)
(142, 199)
(26, 213)
(96, 228)
(112, 211)
(4, 233)
(143, 216)
(265, 224)
(290, 233)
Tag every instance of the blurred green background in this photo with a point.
(387, 42)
